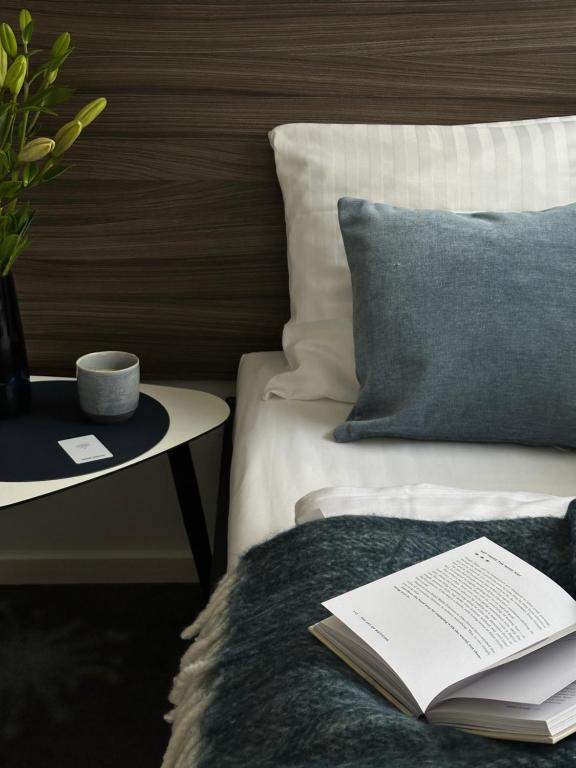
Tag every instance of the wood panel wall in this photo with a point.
(167, 238)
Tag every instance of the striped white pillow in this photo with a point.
(511, 166)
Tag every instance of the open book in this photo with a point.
(475, 638)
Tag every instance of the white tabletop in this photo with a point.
(192, 413)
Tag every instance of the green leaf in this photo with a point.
(8, 244)
(53, 94)
(16, 248)
(7, 248)
(10, 189)
(23, 219)
(58, 94)
(53, 172)
(55, 62)
(16, 223)
(43, 110)
(6, 120)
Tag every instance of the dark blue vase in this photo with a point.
(14, 376)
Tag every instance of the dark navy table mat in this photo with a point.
(29, 449)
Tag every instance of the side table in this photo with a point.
(192, 414)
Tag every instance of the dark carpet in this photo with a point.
(85, 672)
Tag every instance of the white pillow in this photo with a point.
(526, 165)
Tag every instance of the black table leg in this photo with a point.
(220, 558)
(192, 512)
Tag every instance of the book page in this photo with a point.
(503, 714)
(530, 680)
(457, 614)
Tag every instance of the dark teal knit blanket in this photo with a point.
(276, 697)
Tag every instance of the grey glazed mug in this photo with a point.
(108, 385)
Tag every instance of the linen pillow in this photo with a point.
(464, 324)
(527, 165)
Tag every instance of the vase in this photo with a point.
(14, 376)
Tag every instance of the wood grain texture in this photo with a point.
(167, 237)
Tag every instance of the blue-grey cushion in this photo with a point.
(464, 324)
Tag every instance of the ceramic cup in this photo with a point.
(108, 385)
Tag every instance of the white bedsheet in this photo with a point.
(283, 450)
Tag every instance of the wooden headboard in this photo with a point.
(167, 238)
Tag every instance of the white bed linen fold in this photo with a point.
(283, 450)
(427, 502)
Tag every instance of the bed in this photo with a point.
(424, 396)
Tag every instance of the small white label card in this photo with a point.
(85, 448)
